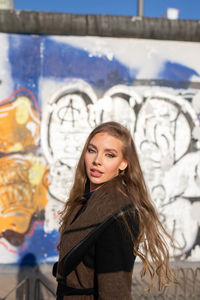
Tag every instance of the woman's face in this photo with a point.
(103, 159)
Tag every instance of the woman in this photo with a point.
(107, 221)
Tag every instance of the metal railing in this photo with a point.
(38, 284)
(22, 284)
(22, 291)
(188, 288)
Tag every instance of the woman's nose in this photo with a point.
(97, 159)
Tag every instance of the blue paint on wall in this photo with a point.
(25, 61)
(176, 72)
(32, 57)
(41, 244)
(63, 60)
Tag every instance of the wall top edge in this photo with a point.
(50, 23)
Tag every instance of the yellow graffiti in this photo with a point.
(16, 147)
(23, 106)
(36, 172)
(19, 126)
(21, 195)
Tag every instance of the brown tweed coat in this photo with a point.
(96, 252)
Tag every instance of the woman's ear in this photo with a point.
(123, 165)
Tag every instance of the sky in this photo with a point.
(188, 9)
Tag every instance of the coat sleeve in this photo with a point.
(114, 261)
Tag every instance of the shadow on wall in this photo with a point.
(28, 269)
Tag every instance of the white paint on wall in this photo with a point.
(162, 129)
(194, 257)
(68, 117)
(6, 85)
(146, 56)
(8, 252)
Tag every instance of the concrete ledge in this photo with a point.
(48, 23)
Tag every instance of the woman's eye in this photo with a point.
(90, 150)
(110, 155)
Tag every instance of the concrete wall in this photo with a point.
(55, 89)
(32, 22)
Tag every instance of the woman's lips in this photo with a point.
(95, 172)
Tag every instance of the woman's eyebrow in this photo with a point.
(91, 145)
(111, 150)
(106, 150)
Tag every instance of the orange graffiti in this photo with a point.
(23, 188)
(23, 175)
(20, 126)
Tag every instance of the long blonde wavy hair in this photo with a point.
(150, 245)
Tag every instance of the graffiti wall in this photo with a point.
(55, 90)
